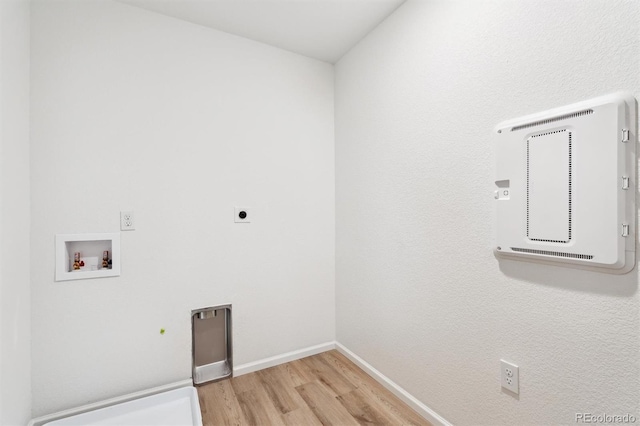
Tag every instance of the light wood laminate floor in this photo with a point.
(324, 389)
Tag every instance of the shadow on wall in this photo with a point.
(624, 285)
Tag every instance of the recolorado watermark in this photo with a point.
(605, 418)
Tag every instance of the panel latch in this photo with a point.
(625, 182)
(625, 230)
(625, 135)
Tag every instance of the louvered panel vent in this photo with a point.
(552, 119)
(553, 253)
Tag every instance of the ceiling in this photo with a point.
(321, 29)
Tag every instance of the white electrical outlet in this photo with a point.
(126, 221)
(509, 376)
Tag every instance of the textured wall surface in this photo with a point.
(419, 293)
(135, 110)
(15, 309)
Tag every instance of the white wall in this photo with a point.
(419, 293)
(15, 309)
(135, 110)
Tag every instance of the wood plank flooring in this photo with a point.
(324, 389)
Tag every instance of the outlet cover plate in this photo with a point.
(127, 221)
(509, 376)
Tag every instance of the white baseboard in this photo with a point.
(261, 364)
(39, 421)
(405, 396)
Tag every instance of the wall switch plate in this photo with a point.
(242, 214)
(127, 221)
(509, 376)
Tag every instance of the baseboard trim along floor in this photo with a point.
(394, 388)
(261, 364)
(405, 396)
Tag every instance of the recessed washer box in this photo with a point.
(90, 246)
(565, 185)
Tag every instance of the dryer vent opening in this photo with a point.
(211, 344)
